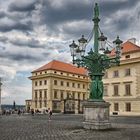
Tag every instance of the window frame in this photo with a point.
(115, 74)
(128, 72)
(128, 107)
(116, 106)
(116, 91)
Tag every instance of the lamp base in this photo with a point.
(96, 115)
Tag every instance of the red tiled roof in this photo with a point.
(127, 47)
(61, 66)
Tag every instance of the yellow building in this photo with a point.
(122, 84)
(59, 86)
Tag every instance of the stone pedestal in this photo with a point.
(96, 115)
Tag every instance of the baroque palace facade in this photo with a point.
(63, 87)
(59, 86)
(122, 83)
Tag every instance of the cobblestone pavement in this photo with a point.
(65, 127)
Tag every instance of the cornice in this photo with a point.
(58, 76)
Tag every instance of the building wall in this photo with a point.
(133, 63)
(74, 88)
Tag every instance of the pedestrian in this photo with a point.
(50, 113)
(32, 112)
(19, 112)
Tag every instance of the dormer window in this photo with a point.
(127, 56)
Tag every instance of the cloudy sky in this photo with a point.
(34, 32)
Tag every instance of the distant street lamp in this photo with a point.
(0, 94)
(96, 62)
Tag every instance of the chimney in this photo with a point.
(132, 40)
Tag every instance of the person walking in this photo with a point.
(50, 113)
(19, 112)
(32, 112)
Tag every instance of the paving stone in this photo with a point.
(65, 127)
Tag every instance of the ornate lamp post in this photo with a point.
(96, 62)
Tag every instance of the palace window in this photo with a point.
(35, 104)
(35, 83)
(127, 72)
(62, 96)
(62, 83)
(40, 83)
(73, 84)
(45, 94)
(35, 94)
(68, 95)
(83, 96)
(45, 82)
(83, 86)
(116, 90)
(116, 107)
(127, 56)
(78, 85)
(67, 84)
(73, 106)
(128, 89)
(40, 94)
(73, 95)
(78, 95)
(128, 107)
(116, 73)
(45, 103)
(55, 82)
(40, 104)
(55, 94)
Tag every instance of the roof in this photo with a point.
(62, 66)
(127, 47)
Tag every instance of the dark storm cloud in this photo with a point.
(76, 32)
(68, 12)
(31, 43)
(138, 15)
(2, 14)
(16, 26)
(109, 7)
(55, 16)
(20, 57)
(22, 6)
(21, 21)
(23, 57)
(123, 23)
